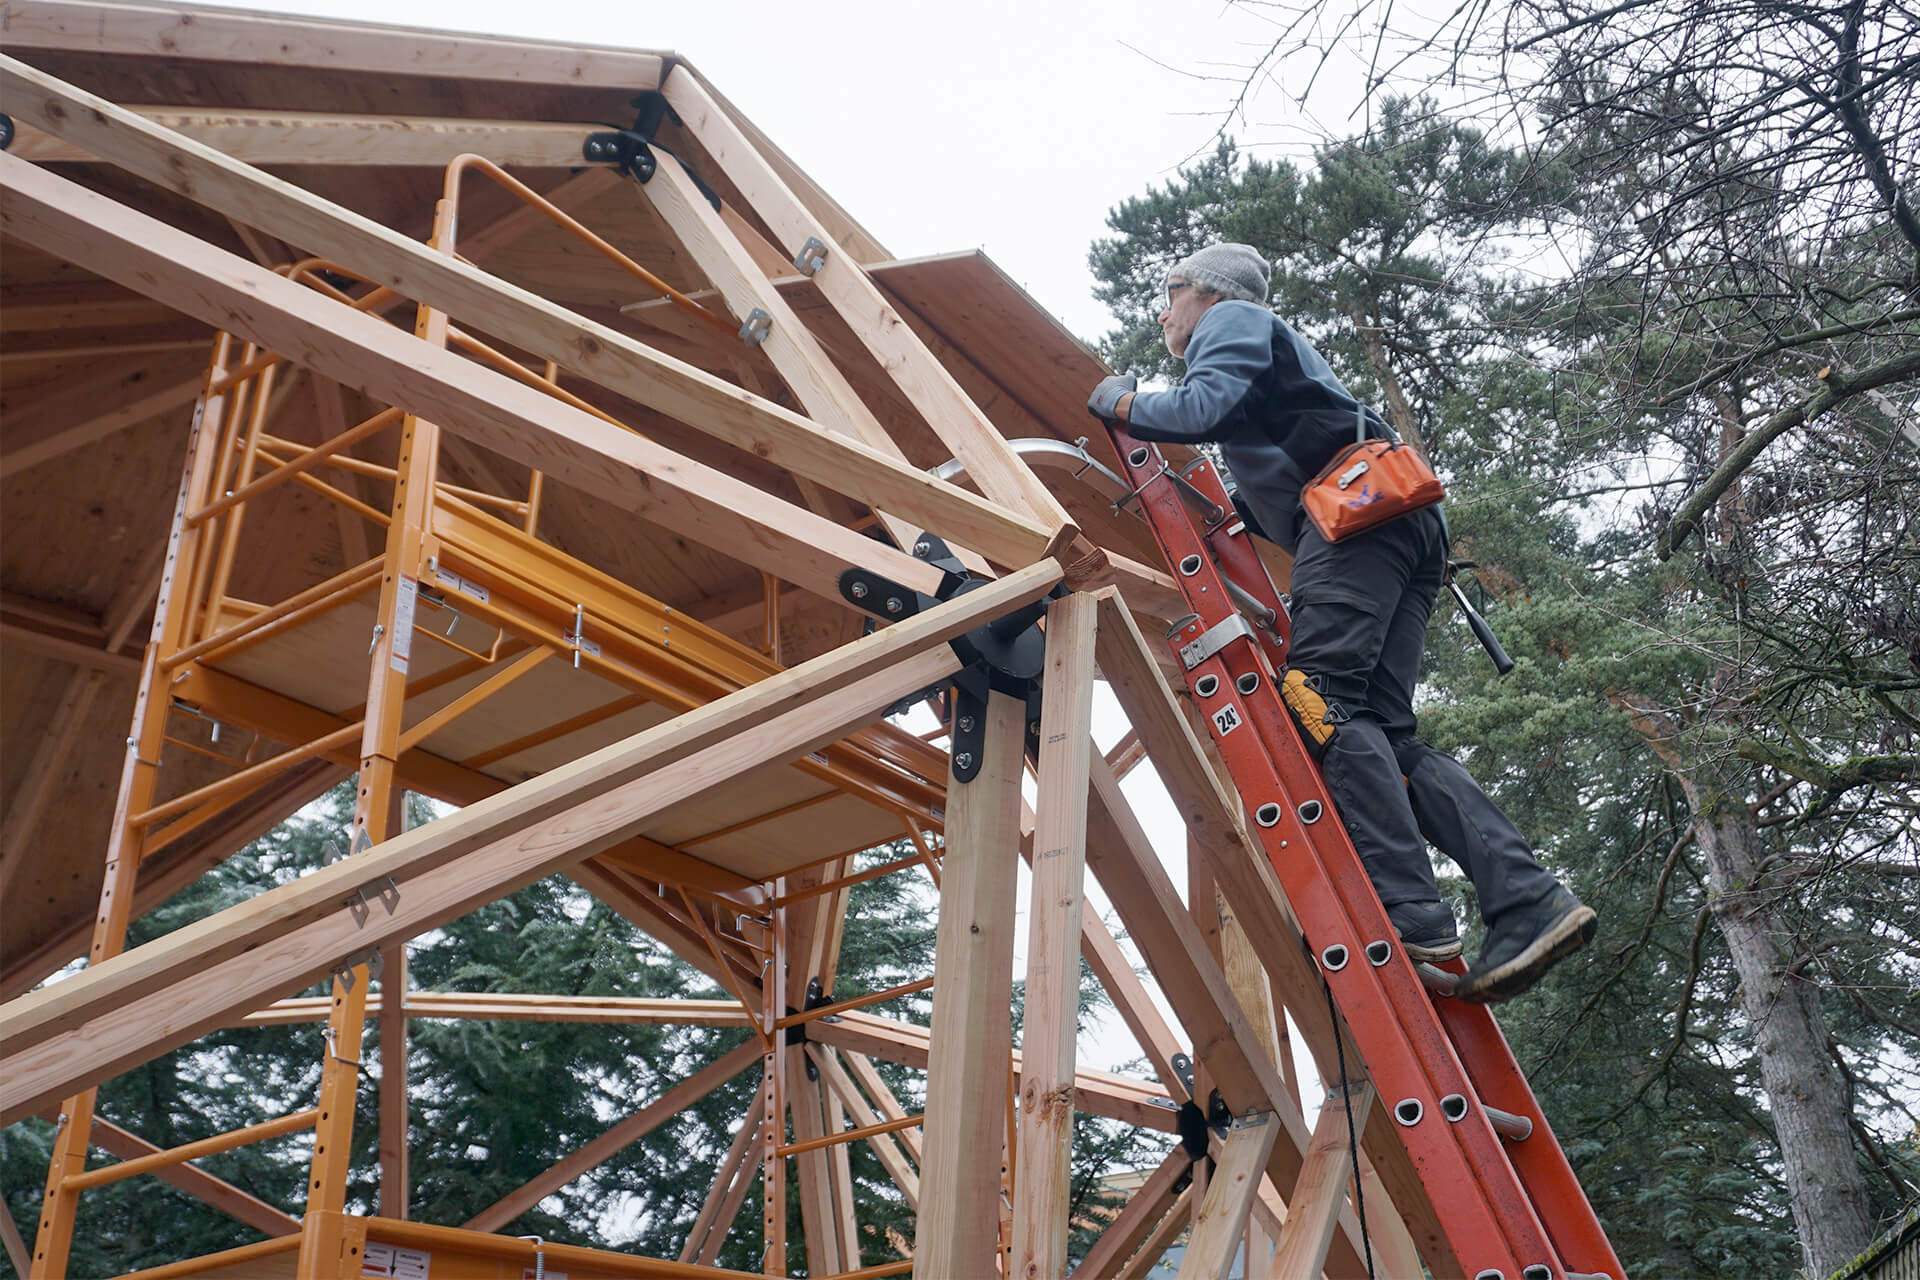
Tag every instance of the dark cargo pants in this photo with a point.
(1360, 610)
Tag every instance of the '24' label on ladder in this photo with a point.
(1226, 719)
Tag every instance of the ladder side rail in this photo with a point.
(1539, 1159)
(1489, 1219)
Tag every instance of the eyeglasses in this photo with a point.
(1165, 299)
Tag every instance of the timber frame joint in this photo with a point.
(1005, 655)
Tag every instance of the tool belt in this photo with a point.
(1368, 483)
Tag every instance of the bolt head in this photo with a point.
(894, 605)
(964, 760)
(858, 591)
(966, 725)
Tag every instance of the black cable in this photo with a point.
(1353, 1141)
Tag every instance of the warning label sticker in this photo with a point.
(392, 1260)
(403, 606)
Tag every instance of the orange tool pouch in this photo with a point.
(1368, 483)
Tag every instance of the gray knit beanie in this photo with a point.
(1230, 270)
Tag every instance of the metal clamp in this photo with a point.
(1214, 639)
(756, 328)
(360, 901)
(812, 256)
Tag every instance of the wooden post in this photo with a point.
(1220, 1225)
(1041, 1206)
(972, 1031)
(733, 1167)
(1314, 1215)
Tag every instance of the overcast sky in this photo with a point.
(1007, 125)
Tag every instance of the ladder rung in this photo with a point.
(1436, 979)
(1508, 1125)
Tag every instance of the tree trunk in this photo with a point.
(1805, 1094)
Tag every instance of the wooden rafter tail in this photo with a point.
(611, 359)
(300, 925)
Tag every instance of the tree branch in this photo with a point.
(1839, 387)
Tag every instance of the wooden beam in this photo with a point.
(972, 1034)
(1130, 1099)
(955, 419)
(814, 379)
(602, 355)
(1172, 1224)
(883, 1099)
(1042, 1203)
(315, 137)
(17, 1252)
(1313, 1215)
(1233, 1184)
(886, 1148)
(491, 409)
(1147, 1208)
(93, 1025)
(617, 1139)
(519, 1006)
(732, 1166)
(169, 34)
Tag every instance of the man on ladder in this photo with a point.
(1359, 620)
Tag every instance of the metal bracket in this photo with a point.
(757, 326)
(812, 256)
(374, 959)
(1183, 1068)
(1192, 1127)
(360, 901)
(1214, 639)
(1219, 1119)
(623, 148)
(969, 726)
(1251, 1120)
(879, 595)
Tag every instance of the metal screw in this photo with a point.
(858, 591)
(894, 605)
(921, 548)
(964, 760)
(966, 726)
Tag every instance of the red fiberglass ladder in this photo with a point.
(1499, 1183)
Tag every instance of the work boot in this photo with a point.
(1524, 943)
(1426, 930)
